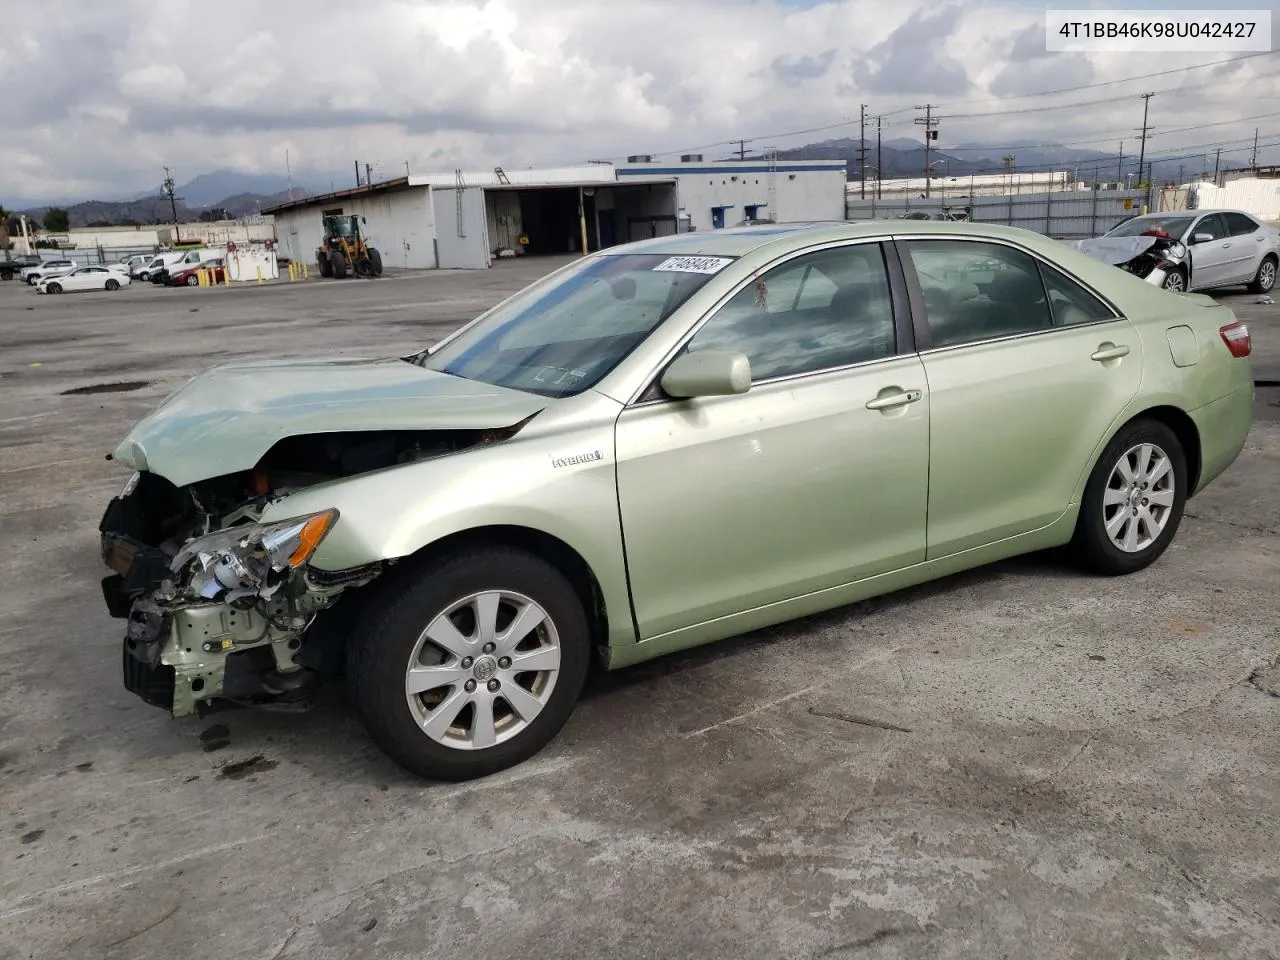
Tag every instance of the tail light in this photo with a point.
(1236, 337)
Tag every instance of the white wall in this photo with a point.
(226, 231)
(1253, 195)
(116, 239)
(805, 190)
(399, 224)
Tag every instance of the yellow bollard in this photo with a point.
(226, 274)
(202, 278)
(306, 271)
(259, 274)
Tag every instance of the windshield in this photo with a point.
(1173, 226)
(559, 340)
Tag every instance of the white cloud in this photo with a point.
(122, 90)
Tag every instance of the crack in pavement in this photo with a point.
(1231, 523)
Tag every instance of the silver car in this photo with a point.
(1224, 247)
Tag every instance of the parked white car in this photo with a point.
(1223, 248)
(46, 268)
(84, 278)
(161, 261)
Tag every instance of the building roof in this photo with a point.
(579, 174)
(384, 186)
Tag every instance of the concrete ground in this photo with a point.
(1019, 762)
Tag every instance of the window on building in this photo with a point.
(816, 312)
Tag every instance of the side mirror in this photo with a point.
(708, 373)
(1202, 237)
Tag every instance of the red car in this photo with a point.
(190, 278)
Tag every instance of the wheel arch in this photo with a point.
(546, 547)
(1183, 427)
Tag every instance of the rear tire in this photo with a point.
(375, 260)
(363, 268)
(53, 288)
(113, 285)
(338, 264)
(1265, 278)
(192, 281)
(391, 639)
(1134, 500)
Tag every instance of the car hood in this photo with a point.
(1115, 250)
(224, 420)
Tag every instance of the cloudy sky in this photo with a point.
(99, 96)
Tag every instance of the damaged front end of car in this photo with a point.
(218, 606)
(224, 609)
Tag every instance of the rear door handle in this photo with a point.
(888, 401)
(1110, 351)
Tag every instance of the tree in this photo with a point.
(57, 220)
(98, 223)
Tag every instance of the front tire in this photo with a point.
(471, 664)
(113, 285)
(375, 260)
(1134, 500)
(192, 281)
(1175, 281)
(338, 264)
(53, 288)
(1265, 278)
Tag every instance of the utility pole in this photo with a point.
(1217, 158)
(742, 148)
(1179, 183)
(288, 172)
(357, 163)
(862, 152)
(173, 201)
(930, 134)
(879, 161)
(368, 174)
(1142, 149)
(1120, 164)
(1253, 157)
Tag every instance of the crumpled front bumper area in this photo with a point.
(189, 656)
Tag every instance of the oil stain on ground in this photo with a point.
(245, 768)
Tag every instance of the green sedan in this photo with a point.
(657, 446)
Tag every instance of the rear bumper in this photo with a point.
(1223, 426)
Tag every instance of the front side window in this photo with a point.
(818, 311)
(560, 338)
(978, 291)
(1211, 225)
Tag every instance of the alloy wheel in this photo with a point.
(483, 670)
(1174, 282)
(1267, 275)
(1138, 501)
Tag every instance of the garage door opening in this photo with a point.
(547, 221)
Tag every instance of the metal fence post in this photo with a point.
(1048, 213)
(1093, 211)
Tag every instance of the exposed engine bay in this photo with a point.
(1153, 256)
(223, 609)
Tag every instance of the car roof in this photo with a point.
(739, 241)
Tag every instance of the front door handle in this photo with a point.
(1110, 351)
(898, 398)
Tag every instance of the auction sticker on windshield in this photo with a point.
(693, 264)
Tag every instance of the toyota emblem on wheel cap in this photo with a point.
(485, 668)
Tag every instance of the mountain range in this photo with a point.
(243, 194)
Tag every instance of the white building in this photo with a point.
(722, 193)
(461, 219)
(980, 185)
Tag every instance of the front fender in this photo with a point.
(548, 483)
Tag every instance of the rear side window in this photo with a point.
(1239, 224)
(1071, 303)
(976, 291)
